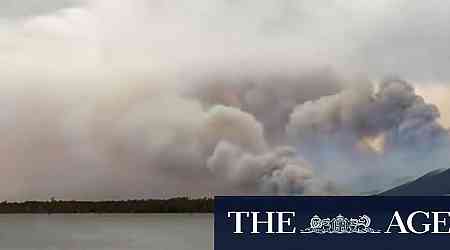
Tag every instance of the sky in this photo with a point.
(107, 99)
(408, 38)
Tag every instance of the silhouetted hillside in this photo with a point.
(435, 183)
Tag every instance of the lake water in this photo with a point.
(107, 231)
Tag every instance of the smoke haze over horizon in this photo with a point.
(107, 99)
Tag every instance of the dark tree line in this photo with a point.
(175, 205)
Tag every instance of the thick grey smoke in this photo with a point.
(344, 123)
(392, 108)
(109, 99)
(269, 96)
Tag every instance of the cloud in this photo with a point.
(106, 99)
(439, 95)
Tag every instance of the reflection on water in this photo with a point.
(107, 231)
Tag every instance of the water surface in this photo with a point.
(106, 231)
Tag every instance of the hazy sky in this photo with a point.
(405, 37)
(22, 8)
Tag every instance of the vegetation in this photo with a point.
(175, 205)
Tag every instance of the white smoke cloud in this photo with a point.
(106, 99)
(276, 172)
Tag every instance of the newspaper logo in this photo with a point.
(340, 225)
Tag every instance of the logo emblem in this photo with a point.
(340, 225)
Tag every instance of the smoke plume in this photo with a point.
(106, 99)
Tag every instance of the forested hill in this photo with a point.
(175, 205)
